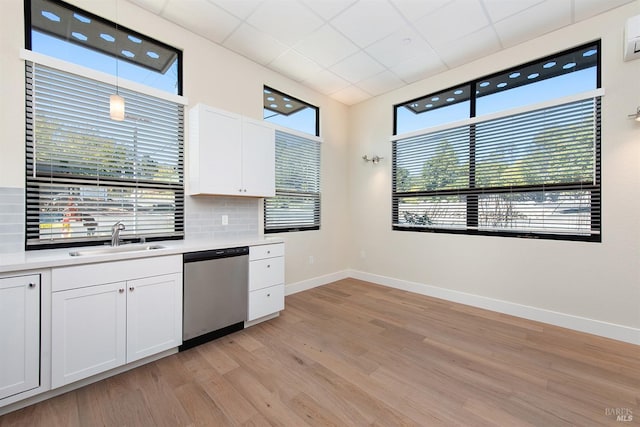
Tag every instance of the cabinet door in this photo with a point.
(258, 159)
(154, 315)
(88, 327)
(19, 334)
(219, 152)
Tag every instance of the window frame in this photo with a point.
(472, 211)
(33, 59)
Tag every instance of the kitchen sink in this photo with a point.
(116, 249)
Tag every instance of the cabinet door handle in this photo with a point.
(268, 265)
(121, 290)
(268, 295)
(131, 288)
(32, 285)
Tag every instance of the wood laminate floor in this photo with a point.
(353, 354)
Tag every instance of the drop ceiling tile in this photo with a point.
(476, 45)
(326, 46)
(415, 9)
(327, 9)
(249, 42)
(501, 9)
(287, 20)
(584, 9)
(155, 6)
(201, 17)
(326, 82)
(295, 66)
(357, 67)
(533, 22)
(419, 68)
(242, 9)
(368, 21)
(380, 83)
(351, 95)
(398, 47)
(452, 21)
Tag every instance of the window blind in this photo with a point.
(535, 173)
(85, 171)
(296, 205)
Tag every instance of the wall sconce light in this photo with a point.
(375, 159)
(635, 116)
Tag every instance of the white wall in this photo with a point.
(212, 75)
(598, 281)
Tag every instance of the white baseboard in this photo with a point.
(577, 323)
(293, 288)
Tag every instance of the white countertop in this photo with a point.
(47, 258)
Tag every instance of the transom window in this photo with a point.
(516, 153)
(65, 32)
(287, 111)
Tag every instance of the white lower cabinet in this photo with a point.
(102, 326)
(88, 331)
(154, 315)
(266, 280)
(19, 334)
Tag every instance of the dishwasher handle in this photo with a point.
(215, 254)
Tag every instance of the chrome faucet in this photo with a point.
(115, 233)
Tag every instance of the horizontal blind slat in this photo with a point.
(85, 171)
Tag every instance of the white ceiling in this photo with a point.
(352, 50)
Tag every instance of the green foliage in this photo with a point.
(444, 170)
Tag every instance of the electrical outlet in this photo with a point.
(311, 259)
(225, 219)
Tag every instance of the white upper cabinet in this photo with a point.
(230, 154)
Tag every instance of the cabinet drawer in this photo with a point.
(265, 301)
(266, 272)
(266, 251)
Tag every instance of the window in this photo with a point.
(524, 162)
(296, 206)
(284, 110)
(73, 35)
(85, 171)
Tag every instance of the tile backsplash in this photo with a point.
(11, 219)
(203, 217)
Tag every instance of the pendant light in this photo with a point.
(116, 107)
(116, 102)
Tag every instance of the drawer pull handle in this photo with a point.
(121, 290)
(268, 252)
(32, 285)
(268, 265)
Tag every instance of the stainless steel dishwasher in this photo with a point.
(215, 294)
